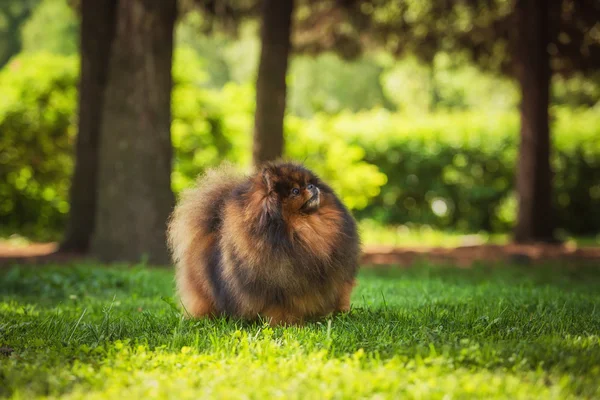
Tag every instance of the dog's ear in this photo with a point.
(267, 176)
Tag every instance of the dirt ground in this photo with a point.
(41, 253)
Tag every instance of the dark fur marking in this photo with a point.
(272, 228)
(256, 286)
(212, 222)
(313, 268)
(240, 193)
(221, 292)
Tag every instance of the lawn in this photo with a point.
(91, 331)
(414, 236)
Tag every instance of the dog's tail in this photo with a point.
(191, 236)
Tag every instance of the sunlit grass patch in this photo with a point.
(89, 331)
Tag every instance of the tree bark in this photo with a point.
(97, 32)
(135, 197)
(534, 186)
(270, 85)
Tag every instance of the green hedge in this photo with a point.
(457, 170)
(210, 126)
(446, 170)
(37, 126)
(38, 122)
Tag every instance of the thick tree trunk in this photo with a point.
(135, 197)
(270, 85)
(97, 32)
(534, 186)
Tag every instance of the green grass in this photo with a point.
(405, 236)
(88, 331)
(408, 236)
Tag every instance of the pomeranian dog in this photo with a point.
(278, 245)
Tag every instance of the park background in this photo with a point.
(466, 133)
(417, 135)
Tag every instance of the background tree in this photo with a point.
(535, 219)
(134, 187)
(271, 86)
(97, 32)
(277, 18)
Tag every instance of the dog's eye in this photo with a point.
(295, 191)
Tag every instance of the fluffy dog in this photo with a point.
(278, 245)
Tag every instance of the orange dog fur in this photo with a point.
(278, 245)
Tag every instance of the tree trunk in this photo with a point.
(534, 186)
(97, 32)
(134, 196)
(270, 85)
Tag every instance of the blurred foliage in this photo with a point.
(13, 14)
(486, 31)
(438, 146)
(456, 170)
(37, 119)
(37, 122)
(329, 84)
(326, 82)
(448, 83)
(577, 90)
(444, 169)
(207, 126)
(211, 48)
(53, 27)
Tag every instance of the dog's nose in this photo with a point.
(313, 189)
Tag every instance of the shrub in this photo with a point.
(445, 170)
(448, 170)
(458, 170)
(37, 121)
(36, 141)
(220, 128)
